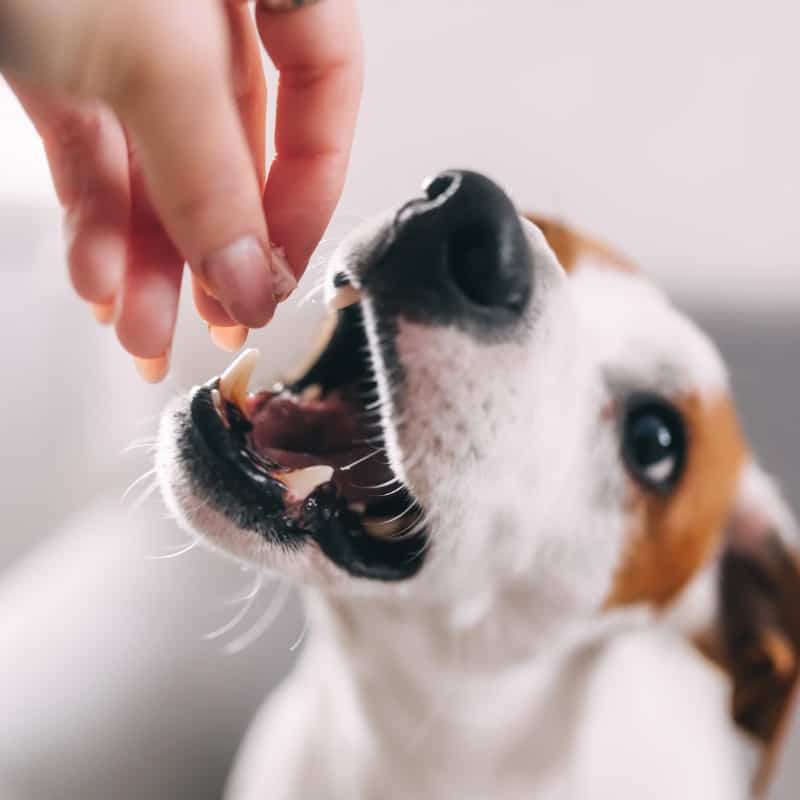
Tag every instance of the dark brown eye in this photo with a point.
(653, 443)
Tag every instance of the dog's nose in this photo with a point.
(457, 254)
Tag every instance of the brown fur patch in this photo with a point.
(673, 536)
(572, 247)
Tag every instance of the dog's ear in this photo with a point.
(573, 247)
(758, 622)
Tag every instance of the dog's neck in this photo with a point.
(418, 674)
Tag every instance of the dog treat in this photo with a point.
(343, 297)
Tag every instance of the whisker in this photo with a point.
(312, 293)
(240, 615)
(362, 459)
(419, 523)
(144, 496)
(136, 483)
(383, 485)
(398, 516)
(408, 463)
(370, 440)
(302, 635)
(257, 586)
(401, 487)
(274, 608)
(182, 551)
(147, 443)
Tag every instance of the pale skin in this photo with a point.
(152, 116)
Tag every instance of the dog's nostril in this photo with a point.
(437, 186)
(489, 266)
(471, 257)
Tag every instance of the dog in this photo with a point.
(540, 559)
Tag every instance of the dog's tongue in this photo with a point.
(298, 433)
(319, 427)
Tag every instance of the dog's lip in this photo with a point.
(366, 548)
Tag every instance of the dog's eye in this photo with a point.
(653, 443)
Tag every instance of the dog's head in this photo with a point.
(504, 414)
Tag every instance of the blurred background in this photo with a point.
(667, 129)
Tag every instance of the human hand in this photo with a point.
(152, 116)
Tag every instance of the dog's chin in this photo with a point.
(297, 477)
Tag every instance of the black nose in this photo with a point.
(458, 254)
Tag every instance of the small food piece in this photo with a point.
(344, 296)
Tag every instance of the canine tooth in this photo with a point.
(311, 393)
(216, 399)
(301, 482)
(235, 380)
(343, 297)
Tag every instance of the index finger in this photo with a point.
(317, 51)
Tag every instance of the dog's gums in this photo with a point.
(308, 458)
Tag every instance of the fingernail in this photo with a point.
(103, 312)
(153, 370)
(239, 276)
(283, 280)
(231, 338)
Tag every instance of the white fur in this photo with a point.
(491, 673)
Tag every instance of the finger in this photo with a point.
(207, 307)
(88, 158)
(148, 304)
(249, 84)
(183, 119)
(103, 312)
(153, 370)
(230, 339)
(317, 51)
(225, 333)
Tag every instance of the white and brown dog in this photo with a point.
(540, 559)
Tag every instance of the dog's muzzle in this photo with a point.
(457, 256)
(310, 460)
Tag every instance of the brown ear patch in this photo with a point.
(673, 536)
(572, 247)
(760, 636)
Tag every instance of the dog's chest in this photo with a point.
(361, 724)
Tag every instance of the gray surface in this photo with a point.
(763, 356)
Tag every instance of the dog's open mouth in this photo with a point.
(308, 459)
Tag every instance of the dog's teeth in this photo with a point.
(343, 297)
(301, 482)
(216, 399)
(382, 528)
(235, 380)
(311, 393)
